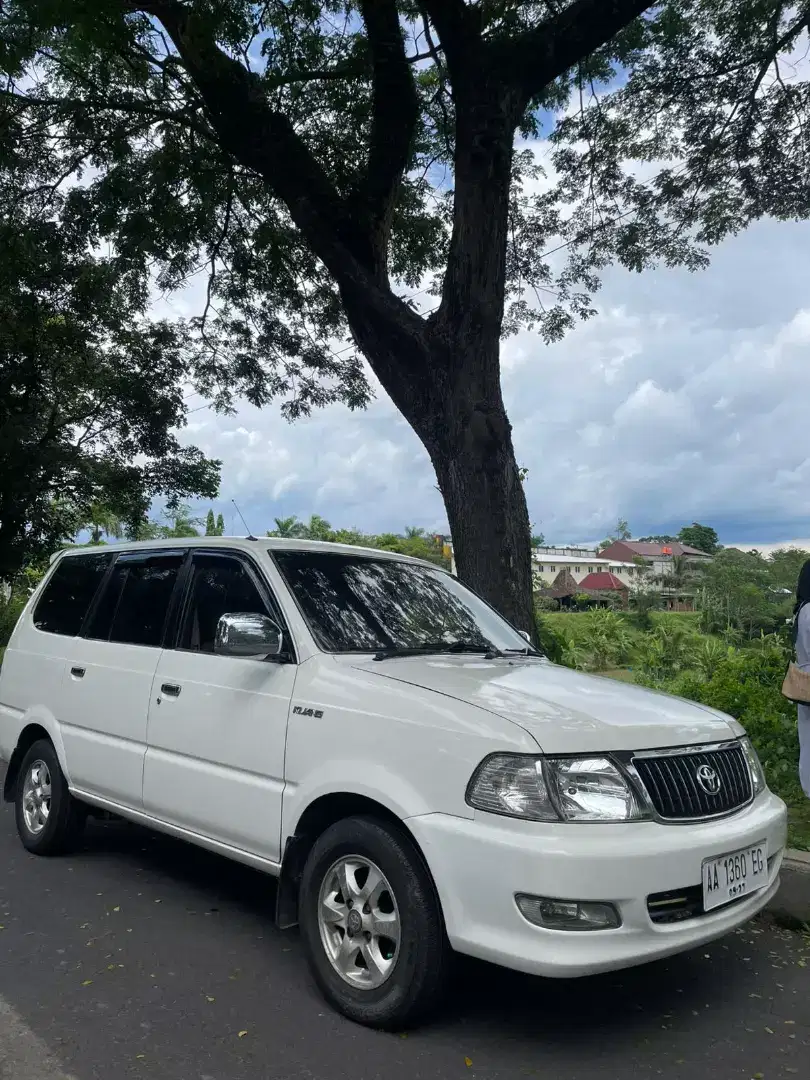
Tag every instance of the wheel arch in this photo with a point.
(316, 818)
(30, 734)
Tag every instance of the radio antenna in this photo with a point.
(250, 535)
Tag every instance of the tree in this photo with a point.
(621, 531)
(180, 522)
(90, 390)
(210, 524)
(220, 525)
(661, 538)
(318, 528)
(784, 566)
(304, 153)
(702, 537)
(538, 539)
(101, 521)
(681, 574)
(736, 594)
(289, 526)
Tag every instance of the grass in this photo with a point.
(619, 674)
(799, 824)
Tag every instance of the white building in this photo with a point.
(546, 565)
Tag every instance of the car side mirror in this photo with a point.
(251, 637)
(525, 634)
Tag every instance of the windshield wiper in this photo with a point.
(436, 647)
(528, 651)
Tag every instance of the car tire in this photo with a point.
(383, 982)
(49, 820)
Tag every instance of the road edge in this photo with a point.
(790, 908)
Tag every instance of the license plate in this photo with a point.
(740, 873)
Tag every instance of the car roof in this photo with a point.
(244, 543)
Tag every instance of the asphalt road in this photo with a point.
(141, 957)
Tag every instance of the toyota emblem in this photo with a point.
(708, 779)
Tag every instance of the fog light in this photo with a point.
(568, 914)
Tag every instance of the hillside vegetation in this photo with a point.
(738, 675)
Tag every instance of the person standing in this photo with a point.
(801, 631)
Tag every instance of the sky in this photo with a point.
(686, 398)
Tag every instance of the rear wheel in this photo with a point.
(49, 819)
(371, 924)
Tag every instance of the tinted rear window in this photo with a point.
(64, 603)
(135, 602)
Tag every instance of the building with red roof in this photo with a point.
(603, 581)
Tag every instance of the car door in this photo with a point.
(217, 724)
(109, 672)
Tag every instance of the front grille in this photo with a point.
(675, 906)
(673, 782)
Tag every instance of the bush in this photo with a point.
(668, 651)
(551, 643)
(643, 602)
(10, 611)
(747, 685)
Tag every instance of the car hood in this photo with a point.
(565, 711)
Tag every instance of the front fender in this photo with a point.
(371, 779)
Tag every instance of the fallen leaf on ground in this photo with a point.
(87, 982)
(116, 909)
(209, 998)
(242, 1034)
(468, 1062)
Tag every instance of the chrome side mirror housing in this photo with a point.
(525, 635)
(248, 636)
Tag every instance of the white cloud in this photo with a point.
(686, 398)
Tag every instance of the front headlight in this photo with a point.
(585, 789)
(758, 782)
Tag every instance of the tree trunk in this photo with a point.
(486, 507)
(443, 373)
(450, 394)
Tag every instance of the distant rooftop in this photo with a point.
(655, 551)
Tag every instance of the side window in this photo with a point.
(69, 593)
(133, 607)
(219, 585)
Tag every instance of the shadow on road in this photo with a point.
(608, 1010)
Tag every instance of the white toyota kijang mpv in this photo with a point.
(365, 728)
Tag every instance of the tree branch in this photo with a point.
(458, 27)
(537, 57)
(395, 113)
(137, 108)
(263, 140)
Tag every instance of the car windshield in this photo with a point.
(356, 603)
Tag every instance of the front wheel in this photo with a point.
(371, 924)
(49, 819)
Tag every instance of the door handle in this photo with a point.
(77, 672)
(170, 689)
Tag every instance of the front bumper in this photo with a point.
(479, 864)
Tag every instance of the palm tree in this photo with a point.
(680, 575)
(101, 521)
(288, 527)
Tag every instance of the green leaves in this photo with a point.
(91, 392)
